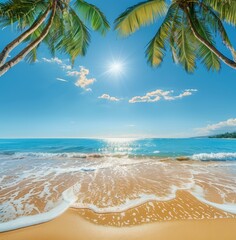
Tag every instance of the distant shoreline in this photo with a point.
(225, 135)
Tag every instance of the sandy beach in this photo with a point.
(99, 196)
(72, 227)
(85, 224)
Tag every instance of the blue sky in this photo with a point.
(93, 102)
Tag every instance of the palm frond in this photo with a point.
(207, 57)
(31, 57)
(24, 12)
(156, 47)
(213, 19)
(76, 37)
(93, 16)
(225, 8)
(55, 34)
(185, 46)
(139, 15)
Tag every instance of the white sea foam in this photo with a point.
(129, 203)
(198, 192)
(223, 156)
(68, 198)
(227, 207)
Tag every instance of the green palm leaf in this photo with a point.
(24, 12)
(76, 37)
(55, 34)
(208, 58)
(156, 47)
(31, 57)
(139, 15)
(93, 16)
(185, 46)
(216, 25)
(225, 8)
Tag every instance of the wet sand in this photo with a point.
(72, 227)
(191, 220)
(120, 198)
(183, 207)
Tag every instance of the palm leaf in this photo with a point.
(207, 57)
(185, 46)
(75, 38)
(156, 47)
(214, 21)
(31, 57)
(55, 34)
(93, 15)
(139, 15)
(24, 12)
(225, 8)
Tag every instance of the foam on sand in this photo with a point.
(68, 198)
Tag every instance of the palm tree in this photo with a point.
(58, 23)
(189, 29)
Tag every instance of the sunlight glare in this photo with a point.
(116, 68)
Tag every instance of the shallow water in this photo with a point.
(42, 178)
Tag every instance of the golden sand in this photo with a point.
(173, 223)
(70, 226)
(183, 207)
(172, 213)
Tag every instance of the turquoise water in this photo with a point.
(198, 148)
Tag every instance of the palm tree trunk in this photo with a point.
(220, 55)
(5, 52)
(32, 45)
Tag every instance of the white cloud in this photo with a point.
(61, 79)
(83, 81)
(72, 73)
(109, 98)
(58, 61)
(160, 94)
(227, 125)
(53, 60)
(66, 67)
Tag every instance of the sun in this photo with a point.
(116, 68)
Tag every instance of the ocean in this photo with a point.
(41, 178)
(197, 148)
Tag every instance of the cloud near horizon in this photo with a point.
(109, 98)
(228, 125)
(160, 94)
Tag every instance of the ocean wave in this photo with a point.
(221, 156)
(71, 155)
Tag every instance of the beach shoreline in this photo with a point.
(85, 224)
(72, 227)
(108, 196)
